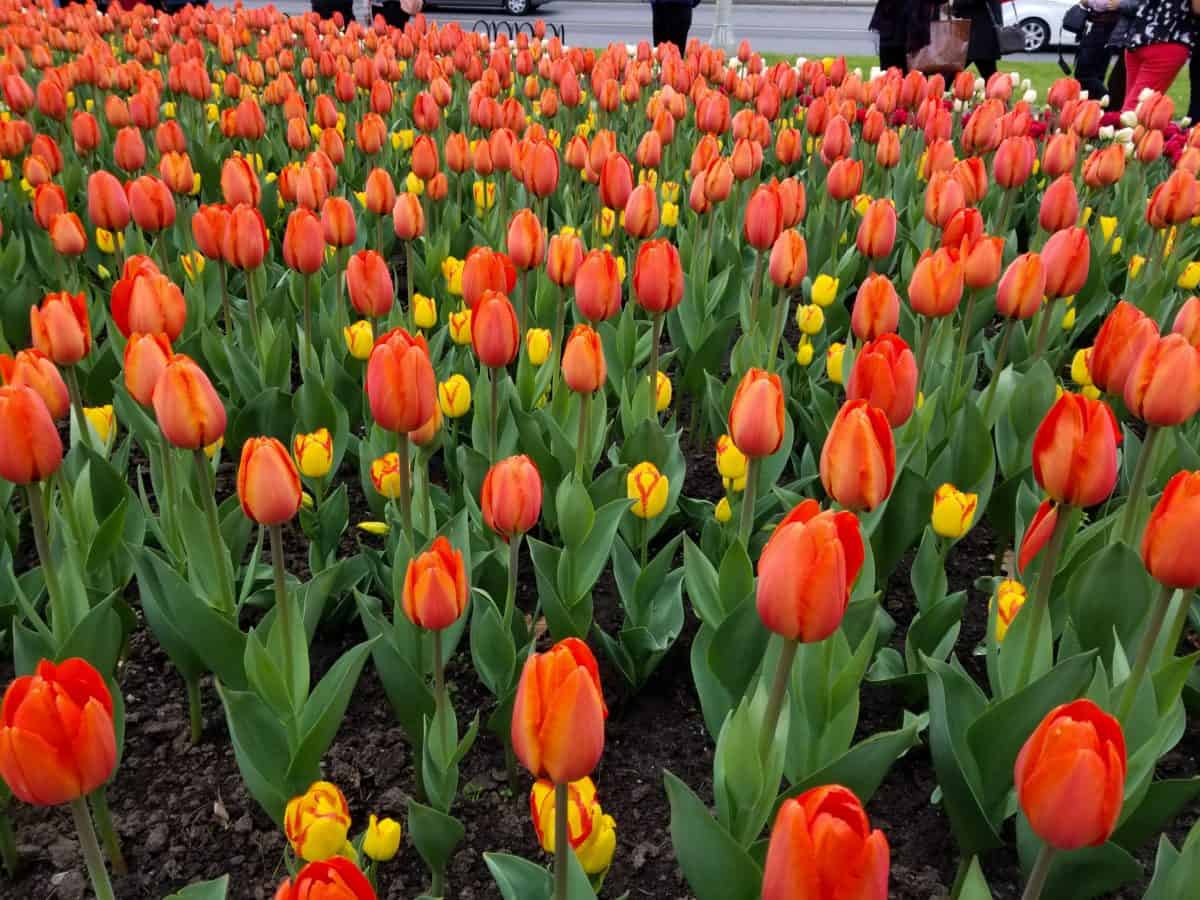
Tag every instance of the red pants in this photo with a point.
(1153, 66)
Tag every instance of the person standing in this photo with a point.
(984, 47)
(1157, 38)
(1093, 56)
(671, 20)
(903, 28)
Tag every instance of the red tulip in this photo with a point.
(1075, 451)
(885, 375)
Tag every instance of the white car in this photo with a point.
(1041, 20)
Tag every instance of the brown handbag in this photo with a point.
(946, 51)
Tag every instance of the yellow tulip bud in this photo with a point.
(1068, 320)
(1116, 245)
(424, 311)
(460, 327)
(833, 361)
(537, 345)
(723, 511)
(1108, 227)
(1135, 265)
(824, 290)
(414, 185)
(669, 191)
(452, 269)
(1190, 276)
(214, 448)
(861, 202)
(731, 462)
(953, 511)
(313, 453)
(361, 197)
(102, 420)
(454, 394)
(360, 339)
(103, 272)
(168, 110)
(382, 840)
(648, 488)
(670, 214)
(1087, 216)
(385, 475)
(596, 853)
(804, 352)
(606, 221)
(662, 391)
(376, 528)
(105, 240)
(810, 318)
(1080, 373)
(1090, 391)
(406, 138)
(1010, 597)
(306, 500)
(317, 821)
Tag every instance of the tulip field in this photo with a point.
(440, 468)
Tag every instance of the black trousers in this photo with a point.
(1194, 79)
(986, 67)
(893, 57)
(671, 23)
(1091, 64)
(393, 14)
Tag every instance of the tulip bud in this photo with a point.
(763, 221)
(953, 512)
(885, 375)
(526, 240)
(33, 369)
(936, 285)
(108, 206)
(583, 365)
(1022, 287)
(369, 284)
(858, 460)
(188, 410)
(1010, 597)
(1126, 334)
(1167, 541)
(756, 415)
(314, 453)
(381, 842)
(876, 308)
(268, 484)
(60, 327)
(877, 230)
(30, 450)
(658, 276)
(1075, 451)
(649, 490)
(1163, 385)
(435, 587)
(511, 497)
(336, 878)
(317, 822)
(400, 383)
(360, 340)
(146, 356)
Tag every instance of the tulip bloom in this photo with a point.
(876, 308)
(641, 212)
(943, 198)
(60, 327)
(1163, 385)
(559, 713)
(187, 407)
(1022, 287)
(822, 846)
(67, 235)
(485, 270)
(244, 243)
(858, 461)
(1067, 257)
(1070, 776)
(981, 267)
(936, 285)
(108, 206)
(369, 282)
(148, 301)
(33, 369)
(844, 180)
(1060, 205)
(337, 217)
(336, 878)
(763, 221)
(877, 230)
(1168, 541)
(239, 184)
(598, 286)
(495, 335)
(313, 453)
(953, 511)
(583, 365)
(526, 240)
(151, 203)
(435, 587)
(788, 263)
(1075, 451)
(316, 822)
(400, 384)
(408, 218)
(208, 229)
(658, 276)
(648, 488)
(885, 375)
(511, 497)
(756, 415)
(806, 572)
(146, 356)
(303, 242)
(30, 448)
(1126, 334)
(57, 741)
(268, 484)
(1187, 321)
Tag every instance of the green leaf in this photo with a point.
(323, 713)
(1161, 804)
(260, 748)
(713, 863)
(737, 648)
(589, 559)
(1090, 872)
(492, 649)
(702, 584)
(266, 679)
(576, 514)
(519, 879)
(736, 578)
(434, 834)
(974, 886)
(863, 767)
(1103, 595)
(217, 889)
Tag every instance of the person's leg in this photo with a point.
(986, 67)
(682, 25)
(1116, 83)
(658, 19)
(1194, 82)
(1092, 59)
(1158, 64)
(1133, 75)
(893, 57)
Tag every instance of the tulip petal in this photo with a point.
(37, 772)
(572, 732)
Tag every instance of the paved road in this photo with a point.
(803, 29)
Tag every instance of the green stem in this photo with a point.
(582, 442)
(562, 845)
(777, 329)
(408, 275)
(438, 887)
(308, 329)
(405, 488)
(91, 850)
(493, 413)
(1127, 530)
(524, 313)
(1041, 597)
(747, 527)
(960, 353)
(1043, 337)
(166, 508)
(252, 309)
(439, 686)
(85, 430)
(655, 338)
(195, 710)
(923, 349)
(108, 831)
(1145, 648)
(514, 561)
(560, 323)
(775, 700)
(220, 552)
(59, 624)
(283, 607)
(1005, 209)
(644, 535)
(1001, 358)
(756, 290)
(1037, 878)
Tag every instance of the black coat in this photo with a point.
(902, 23)
(985, 43)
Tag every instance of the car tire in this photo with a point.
(1037, 35)
(517, 7)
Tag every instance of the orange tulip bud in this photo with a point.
(1022, 287)
(239, 184)
(885, 375)
(176, 172)
(30, 450)
(1187, 321)
(245, 243)
(789, 260)
(822, 845)
(564, 256)
(189, 412)
(658, 276)
(108, 207)
(485, 270)
(1163, 385)
(1013, 163)
(598, 286)
(33, 369)
(60, 327)
(511, 498)
(936, 286)
(494, 332)
(981, 266)
(1060, 205)
(208, 229)
(858, 460)
(369, 282)
(85, 132)
(337, 217)
(583, 365)
(336, 878)
(1104, 167)
(1075, 451)
(67, 235)
(641, 212)
(1174, 201)
(1070, 776)
(943, 198)
(408, 219)
(616, 181)
(268, 484)
(876, 308)
(57, 740)
(151, 203)
(526, 240)
(303, 242)
(1067, 258)
(129, 151)
(146, 356)
(381, 193)
(559, 713)
(844, 181)
(763, 221)
(756, 415)
(400, 383)
(1126, 334)
(1168, 543)
(435, 587)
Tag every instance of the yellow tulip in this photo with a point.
(537, 345)
(102, 420)
(360, 339)
(313, 453)
(810, 318)
(953, 511)
(833, 361)
(723, 511)
(454, 395)
(382, 839)
(1010, 597)
(648, 488)
(424, 311)
(662, 391)
(824, 290)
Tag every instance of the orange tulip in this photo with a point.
(788, 263)
(1070, 776)
(981, 266)
(60, 327)
(1022, 287)
(616, 181)
(408, 218)
(425, 162)
(858, 460)
(239, 184)
(1168, 541)
(1104, 167)
(129, 151)
(876, 308)
(526, 240)
(336, 878)
(146, 356)
(1174, 201)
(495, 336)
(641, 212)
(844, 180)
(877, 230)
(887, 151)
(435, 587)
(1013, 163)
(1126, 334)
(885, 375)
(1060, 205)
(400, 384)
(108, 207)
(583, 366)
(936, 285)
(763, 221)
(381, 193)
(30, 448)
(33, 369)
(1187, 321)
(208, 228)
(369, 283)
(176, 172)
(245, 243)
(485, 270)
(542, 169)
(1067, 257)
(85, 132)
(189, 412)
(1163, 385)
(303, 242)
(598, 286)
(371, 132)
(658, 276)
(1075, 451)
(564, 256)
(49, 200)
(511, 497)
(559, 713)
(756, 415)
(57, 740)
(268, 484)
(718, 180)
(151, 203)
(943, 198)
(67, 235)
(337, 217)
(822, 846)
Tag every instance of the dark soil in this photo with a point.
(184, 815)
